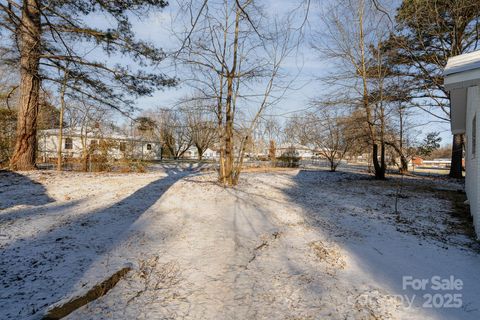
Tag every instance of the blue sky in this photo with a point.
(155, 28)
(306, 66)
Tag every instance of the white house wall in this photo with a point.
(192, 153)
(472, 177)
(48, 146)
(210, 154)
(458, 105)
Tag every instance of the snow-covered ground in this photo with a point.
(282, 245)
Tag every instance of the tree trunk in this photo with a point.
(30, 47)
(457, 155)
(272, 151)
(383, 164)
(60, 127)
(403, 168)
(239, 166)
(60, 141)
(229, 134)
(200, 154)
(86, 157)
(333, 167)
(229, 178)
(378, 167)
(85, 151)
(403, 164)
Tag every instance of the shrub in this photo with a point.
(289, 159)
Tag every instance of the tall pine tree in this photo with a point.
(47, 37)
(428, 33)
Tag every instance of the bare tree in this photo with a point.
(401, 134)
(172, 130)
(352, 32)
(88, 121)
(295, 130)
(328, 131)
(332, 135)
(267, 135)
(60, 128)
(233, 51)
(201, 123)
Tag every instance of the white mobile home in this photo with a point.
(462, 80)
(74, 141)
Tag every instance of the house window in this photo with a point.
(474, 135)
(68, 143)
(149, 146)
(123, 146)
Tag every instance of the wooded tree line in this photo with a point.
(51, 44)
(339, 135)
(389, 63)
(387, 66)
(191, 125)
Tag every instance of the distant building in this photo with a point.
(210, 154)
(462, 80)
(437, 163)
(76, 142)
(417, 161)
(299, 150)
(192, 153)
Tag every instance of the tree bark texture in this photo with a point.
(24, 156)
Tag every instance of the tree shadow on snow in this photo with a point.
(357, 213)
(38, 272)
(33, 193)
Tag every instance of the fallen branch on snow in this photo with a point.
(99, 290)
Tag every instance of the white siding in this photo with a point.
(472, 177)
(48, 146)
(209, 154)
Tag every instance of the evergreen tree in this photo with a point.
(49, 38)
(428, 33)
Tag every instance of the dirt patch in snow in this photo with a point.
(266, 241)
(330, 255)
(454, 217)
